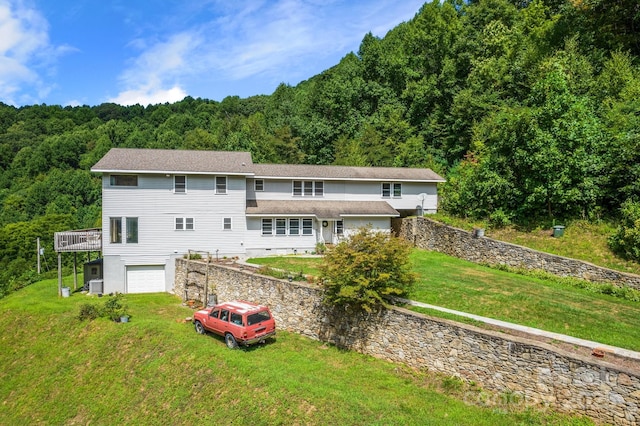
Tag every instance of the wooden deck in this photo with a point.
(80, 240)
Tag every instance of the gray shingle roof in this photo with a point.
(174, 161)
(345, 172)
(321, 209)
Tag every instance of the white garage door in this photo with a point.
(145, 279)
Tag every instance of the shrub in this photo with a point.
(366, 269)
(626, 240)
(89, 311)
(115, 307)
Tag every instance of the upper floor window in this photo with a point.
(389, 189)
(123, 180)
(258, 185)
(179, 184)
(308, 188)
(226, 223)
(221, 184)
(184, 224)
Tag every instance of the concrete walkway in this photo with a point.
(534, 331)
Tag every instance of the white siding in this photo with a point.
(281, 189)
(156, 207)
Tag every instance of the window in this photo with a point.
(215, 313)
(184, 224)
(115, 230)
(281, 226)
(267, 226)
(224, 315)
(259, 185)
(221, 184)
(389, 189)
(226, 223)
(294, 226)
(386, 190)
(397, 190)
(297, 187)
(132, 230)
(236, 318)
(340, 227)
(124, 180)
(179, 184)
(307, 226)
(308, 188)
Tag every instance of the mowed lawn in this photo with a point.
(156, 370)
(464, 286)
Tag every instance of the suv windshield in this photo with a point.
(258, 317)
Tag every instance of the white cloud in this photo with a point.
(149, 96)
(146, 80)
(275, 40)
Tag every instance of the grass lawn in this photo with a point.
(302, 265)
(155, 369)
(464, 286)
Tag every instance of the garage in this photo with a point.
(145, 279)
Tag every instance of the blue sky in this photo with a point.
(86, 52)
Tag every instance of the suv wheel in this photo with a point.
(230, 341)
(199, 328)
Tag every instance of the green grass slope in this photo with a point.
(155, 370)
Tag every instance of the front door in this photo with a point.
(327, 231)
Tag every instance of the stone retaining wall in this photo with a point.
(543, 376)
(428, 234)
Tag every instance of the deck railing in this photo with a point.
(80, 240)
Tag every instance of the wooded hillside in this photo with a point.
(530, 109)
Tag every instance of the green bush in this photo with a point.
(366, 269)
(89, 311)
(626, 240)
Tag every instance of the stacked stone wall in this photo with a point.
(428, 234)
(541, 375)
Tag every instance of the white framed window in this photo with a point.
(386, 190)
(123, 180)
(391, 189)
(258, 185)
(226, 223)
(132, 230)
(308, 188)
(267, 226)
(340, 227)
(184, 224)
(397, 190)
(221, 184)
(307, 226)
(115, 230)
(294, 226)
(297, 187)
(281, 226)
(179, 184)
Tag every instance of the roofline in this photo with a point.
(346, 178)
(171, 172)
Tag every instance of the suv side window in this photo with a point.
(236, 318)
(224, 316)
(214, 313)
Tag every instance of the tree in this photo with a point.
(626, 240)
(363, 271)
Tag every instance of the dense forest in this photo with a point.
(530, 109)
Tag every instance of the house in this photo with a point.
(158, 204)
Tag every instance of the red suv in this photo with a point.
(239, 322)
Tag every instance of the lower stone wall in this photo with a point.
(428, 234)
(543, 376)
